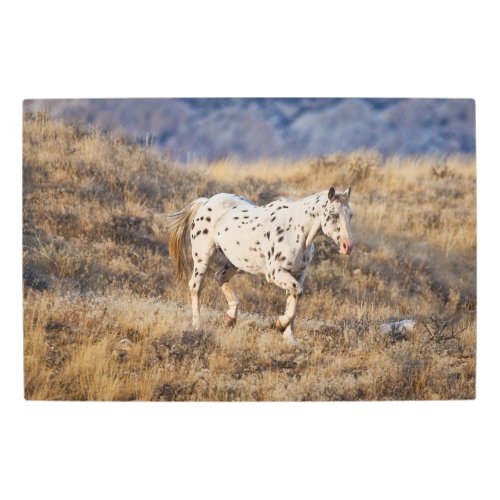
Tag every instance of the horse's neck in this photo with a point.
(311, 208)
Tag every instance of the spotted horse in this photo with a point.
(275, 240)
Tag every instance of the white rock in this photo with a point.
(404, 324)
(124, 344)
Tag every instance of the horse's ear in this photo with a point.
(348, 192)
(331, 193)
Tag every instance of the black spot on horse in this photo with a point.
(235, 218)
(205, 231)
(280, 239)
(273, 219)
(209, 209)
(209, 219)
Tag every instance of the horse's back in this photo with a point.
(228, 201)
(220, 205)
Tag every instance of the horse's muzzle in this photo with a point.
(346, 246)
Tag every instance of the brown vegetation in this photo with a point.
(105, 320)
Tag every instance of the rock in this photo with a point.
(124, 344)
(404, 324)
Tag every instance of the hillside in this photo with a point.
(104, 318)
(253, 128)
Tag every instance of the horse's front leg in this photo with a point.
(293, 288)
(290, 312)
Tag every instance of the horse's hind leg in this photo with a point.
(201, 259)
(222, 276)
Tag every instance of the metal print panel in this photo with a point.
(249, 249)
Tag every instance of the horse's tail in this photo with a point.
(178, 225)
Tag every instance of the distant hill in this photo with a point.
(192, 128)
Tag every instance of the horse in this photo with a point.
(275, 240)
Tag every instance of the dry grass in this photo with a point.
(104, 319)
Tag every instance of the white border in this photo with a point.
(350, 450)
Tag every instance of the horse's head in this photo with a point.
(336, 220)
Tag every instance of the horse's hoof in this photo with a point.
(279, 326)
(228, 321)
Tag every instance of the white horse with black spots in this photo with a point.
(275, 240)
